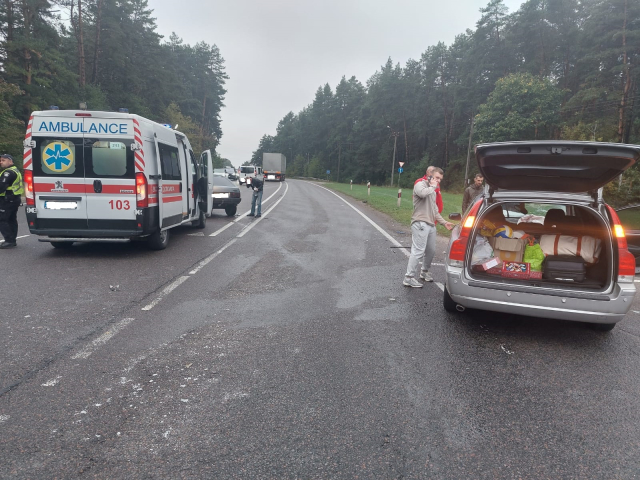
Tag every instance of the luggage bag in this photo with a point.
(564, 268)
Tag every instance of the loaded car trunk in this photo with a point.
(580, 227)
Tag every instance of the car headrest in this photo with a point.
(554, 217)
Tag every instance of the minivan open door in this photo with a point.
(207, 167)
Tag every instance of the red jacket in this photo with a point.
(438, 194)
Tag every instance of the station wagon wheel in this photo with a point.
(231, 210)
(62, 244)
(448, 303)
(158, 240)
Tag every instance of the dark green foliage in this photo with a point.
(125, 62)
(554, 69)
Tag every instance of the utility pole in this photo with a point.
(466, 171)
(395, 136)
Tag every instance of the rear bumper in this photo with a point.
(225, 202)
(561, 305)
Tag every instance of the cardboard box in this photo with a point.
(488, 264)
(516, 270)
(508, 249)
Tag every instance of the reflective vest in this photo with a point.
(16, 187)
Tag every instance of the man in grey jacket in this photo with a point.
(423, 227)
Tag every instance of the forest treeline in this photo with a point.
(108, 54)
(554, 69)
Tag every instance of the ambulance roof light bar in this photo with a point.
(54, 107)
(123, 110)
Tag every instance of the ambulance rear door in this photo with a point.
(188, 179)
(170, 191)
(58, 173)
(207, 170)
(110, 174)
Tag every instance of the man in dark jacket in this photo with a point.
(256, 185)
(11, 190)
(472, 192)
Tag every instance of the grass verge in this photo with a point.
(385, 200)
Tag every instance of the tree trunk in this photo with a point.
(96, 51)
(9, 39)
(627, 76)
(26, 16)
(81, 66)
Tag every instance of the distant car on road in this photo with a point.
(249, 171)
(226, 194)
(630, 219)
(219, 172)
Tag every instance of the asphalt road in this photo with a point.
(287, 347)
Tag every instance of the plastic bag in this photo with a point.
(534, 256)
(481, 250)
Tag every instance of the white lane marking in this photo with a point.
(102, 339)
(23, 236)
(218, 232)
(168, 289)
(440, 286)
(51, 382)
(211, 257)
(375, 225)
(254, 223)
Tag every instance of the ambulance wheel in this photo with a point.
(202, 220)
(448, 303)
(158, 240)
(602, 327)
(62, 244)
(231, 210)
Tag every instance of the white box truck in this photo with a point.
(274, 166)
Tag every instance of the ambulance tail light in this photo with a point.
(142, 197)
(458, 248)
(28, 187)
(626, 260)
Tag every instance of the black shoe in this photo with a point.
(258, 216)
(8, 244)
(250, 215)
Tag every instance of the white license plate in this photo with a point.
(220, 195)
(271, 177)
(61, 205)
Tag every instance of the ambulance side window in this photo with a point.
(170, 162)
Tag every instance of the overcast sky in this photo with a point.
(278, 52)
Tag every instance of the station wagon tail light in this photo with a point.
(458, 248)
(626, 260)
(142, 199)
(28, 187)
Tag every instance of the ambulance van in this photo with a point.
(111, 177)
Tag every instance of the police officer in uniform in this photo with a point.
(11, 189)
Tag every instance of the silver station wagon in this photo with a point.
(540, 240)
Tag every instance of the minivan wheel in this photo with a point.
(602, 327)
(448, 303)
(231, 210)
(62, 244)
(202, 220)
(158, 240)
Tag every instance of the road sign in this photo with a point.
(400, 170)
(328, 172)
(401, 164)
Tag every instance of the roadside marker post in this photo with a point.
(351, 184)
(399, 196)
(369, 188)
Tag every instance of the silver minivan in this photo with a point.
(551, 188)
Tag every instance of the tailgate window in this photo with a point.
(108, 158)
(58, 157)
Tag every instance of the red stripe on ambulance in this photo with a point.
(26, 157)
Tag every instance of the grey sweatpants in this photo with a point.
(423, 244)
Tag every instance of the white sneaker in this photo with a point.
(426, 276)
(411, 282)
